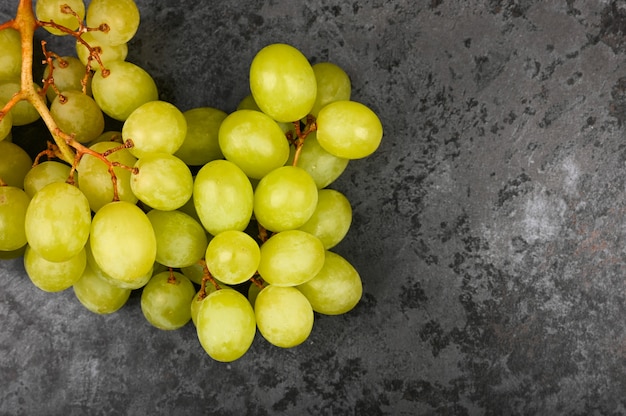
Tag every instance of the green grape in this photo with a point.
(254, 142)
(290, 258)
(181, 240)
(6, 124)
(333, 84)
(285, 199)
(225, 325)
(52, 10)
(336, 289)
(233, 257)
(13, 204)
(283, 315)
(349, 129)
(248, 103)
(14, 164)
(223, 197)
(68, 73)
(78, 114)
(121, 16)
(194, 272)
(10, 54)
(282, 82)
(107, 53)
(137, 283)
(23, 112)
(44, 173)
(156, 126)
(166, 300)
(57, 221)
(52, 276)
(163, 181)
(332, 218)
(323, 167)
(97, 294)
(123, 90)
(95, 179)
(201, 141)
(122, 241)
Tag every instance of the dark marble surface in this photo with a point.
(488, 228)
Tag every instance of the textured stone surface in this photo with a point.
(488, 228)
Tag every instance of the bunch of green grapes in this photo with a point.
(243, 245)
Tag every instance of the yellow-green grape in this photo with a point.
(232, 257)
(10, 54)
(44, 173)
(98, 294)
(122, 284)
(52, 10)
(156, 126)
(194, 272)
(6, 124)
(14, 164)
(53, 276)
(290, 258)
(332, 218)
(181, 240)
(68, 73)
(349, 129)
(57, 221)
(79, 115)
(162, 182)
(333, 84)
(106, 53)
(282, 82)
(283, 315)
(225, 325)
(23, 112)
(121, 16)
(336, 289)
(166, 300)
(13, 204)
(323, 167)
(201, 142)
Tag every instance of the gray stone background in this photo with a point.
(488, 228)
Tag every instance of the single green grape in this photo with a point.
(44, 173)
(11, 55)
(52, 10)
(233, 257)
(107, 53)
(323, 167)
(333, 84)
(14, 164)
(121, 16)
(23, 112)
(201, 141)
(181, 240)
(78, 114)
(332, 218)
(54, 276)
(13, 205)
(166, 300)
(98, 294)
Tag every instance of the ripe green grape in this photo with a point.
(121, 16)
(13, 204)
(223, 197)
(233, 257)
(6, 124)
(282, 82)
(323, 167)
(123, 90)
(225, 325)
(107, 53)
(14, 164)
(57, 221)
(181, 240)
(254, 142)
(349, 129)
(78, 114)
(336, 289)
(10, 54)
(122, 241)
(201, 142)
(332, 218)
(98, 294)
(283, 315)
(285, 199)
(23, 112)
(333, 84)
(166, 300)
(68, 73)
(156, 126)
(290, 258)
(44, 173)
(53, 276)
(51, 10)
(163, 181)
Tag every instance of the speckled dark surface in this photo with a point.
(489, 228)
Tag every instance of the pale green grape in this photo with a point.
(181, 240)
(97, 294)
(223, 197)
(52, 276)
(282, 82)
(232, 257)
(44, 173)
(51, 10)
(6, 124)
(332, 218)
(107, 53)
(201, 142)
(333, 84)
(225, 325)
(57, 221)
(123, 90)
(14, 164)
(95, 179)
(336, 289)
(78, 114)
(290, 258)
(122, 17)
(122, 241)
(349, 129)
(156, 126)
(68, 74)
(283, 315)
(23, 112)
(166, 300)
(10, 54)
(163, 182)
(285, 199)
(13, 204)
(323, 167)
(254, 142)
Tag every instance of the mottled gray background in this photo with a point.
(488, 228)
